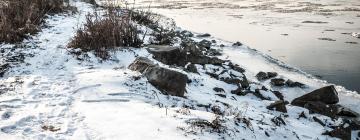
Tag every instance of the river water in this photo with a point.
(312, 35)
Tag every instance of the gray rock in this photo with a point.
(168, 81)
(271, 74)
(279, 105)
(238, 92)
(3, 69)
(261, 76)
(329, 110)
(167, 55)
(217, 89)
(172, 82)
(236, 67)
(278, 95)
(258, 94)
(291, 83)
(327, 95)
(237, 44)
(278, 82)
(191, 68)
(141, 64)
(346, 112)
(265, 75)
(204, 44)
(204, 35)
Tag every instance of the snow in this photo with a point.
(96, 99)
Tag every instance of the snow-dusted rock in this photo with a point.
(169, 81)
(141, 64)
(279, 105)
(3, 69)
(327, 95)
(167, 55)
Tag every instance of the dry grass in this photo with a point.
(103, 33)
(18, 18)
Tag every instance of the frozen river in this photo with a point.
(312, 35)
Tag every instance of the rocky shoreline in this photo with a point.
(187, 76)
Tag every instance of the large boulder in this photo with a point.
(167, 55)
(167, 81)
(329, 110)
(141, 64)
(327, 95)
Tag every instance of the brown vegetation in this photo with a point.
(18, 18)
(103, 33)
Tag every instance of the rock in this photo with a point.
(234, 81)
(217, 110)
(212, 75)
(244, 82)
(141, 64)
(278, 121)
(213, 52)
(261, 76)
(236, 67)
(267, 134)
(318, 121)
(291, 83)
(265, 75)
(190, 46)
(278, 82)
(202, 60)
(168, 81)
(237, 44)
(217, 89)
(271, 74)
(327, 95)
(203, 35)
(322, 108)
(172, 82)
(278, 95)
(166, 54)
(238, 92)
(346, 112)
(186, 34)
(258, 94)
(221, 95)
(278, 106)
(213, 41)
(341, 132)
(3, 69)
(191, 68)
(302, 115)
(344, 130)
(204, 44)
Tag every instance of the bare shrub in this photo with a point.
(103, 33)
(21, 17)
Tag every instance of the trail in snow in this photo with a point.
(47, 82)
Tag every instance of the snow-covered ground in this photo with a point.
(52, 95)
